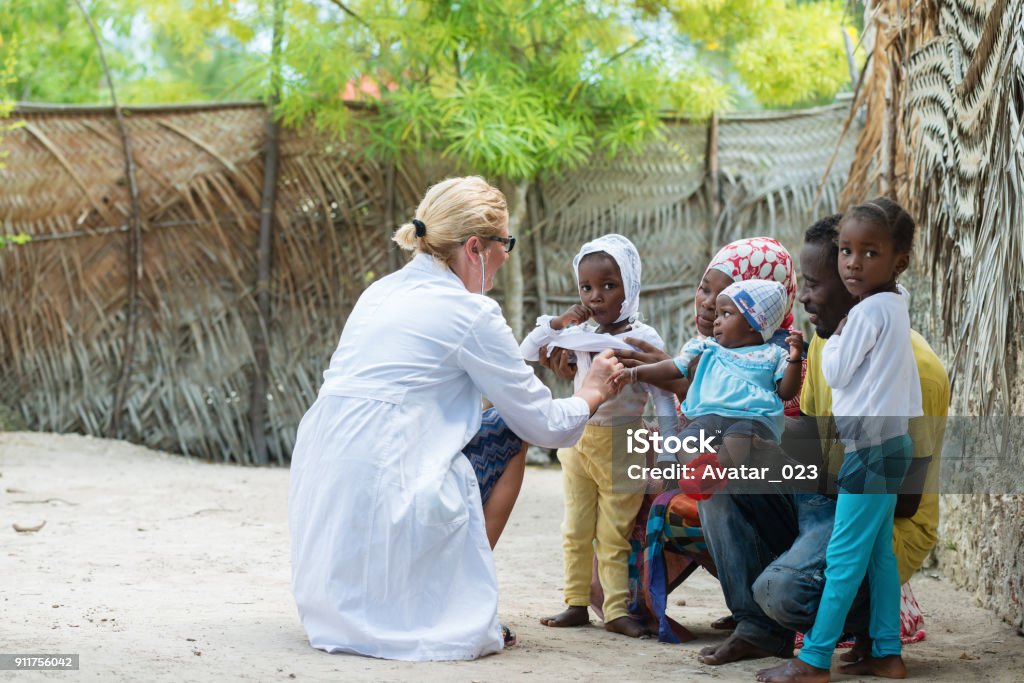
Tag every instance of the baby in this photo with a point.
(741, 379)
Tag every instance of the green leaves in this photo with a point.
(7, 66)
(512, 89)
(783, 52)
(798, 58)
(16, 239)
(8, 62)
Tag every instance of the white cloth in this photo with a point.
(632, 400)
(628, 259)
(389, 551)
(573, 338)
(871, 369)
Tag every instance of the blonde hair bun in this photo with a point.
(454, 210)
(405, 237)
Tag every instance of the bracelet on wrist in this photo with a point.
(794, 360)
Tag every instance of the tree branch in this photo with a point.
(340, 5)
(626, 50)
(134, 243)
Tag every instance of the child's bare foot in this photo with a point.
(732, 650)
(861, 650)
(570, 616)
(794, 671)
(891, 666)
(626, 626)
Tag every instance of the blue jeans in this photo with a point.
(769, 551)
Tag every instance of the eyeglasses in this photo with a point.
(509, 242)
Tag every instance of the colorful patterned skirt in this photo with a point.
(491, 450)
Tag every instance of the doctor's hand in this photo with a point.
(558, 362)
(648, 353)
(596, 387)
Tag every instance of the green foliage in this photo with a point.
(698, 55)
(7, 69)
(157, 50)
(715, 24)
(511, 89)
(798, 59)
(56, 60)
(784, 52)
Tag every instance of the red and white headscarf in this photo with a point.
(758, 258)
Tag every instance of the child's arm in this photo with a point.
(654, 373)
(789, 385)
(547, 330)
(843, 354)
(575, 315)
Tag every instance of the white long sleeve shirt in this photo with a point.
(871, 369)
(390, 556)
(632, 400)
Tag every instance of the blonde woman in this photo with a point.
(399, 486)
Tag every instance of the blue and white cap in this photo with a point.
(762, 302)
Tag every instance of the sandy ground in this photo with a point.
(155, 567)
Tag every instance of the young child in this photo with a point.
(741, 378)
(600, 505)
(869, 364)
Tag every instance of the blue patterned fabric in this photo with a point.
(490, 450)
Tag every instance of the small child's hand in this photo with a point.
(840, 326)
(796, 345)
(576, 314)
(623, 377)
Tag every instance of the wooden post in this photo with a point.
(714, 198)
(538, 250)
(134, 245)
(394, 258)
(261, 343)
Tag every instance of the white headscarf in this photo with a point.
(628, 259)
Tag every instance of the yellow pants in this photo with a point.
(601, 504)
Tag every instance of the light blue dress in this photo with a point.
(735, 383)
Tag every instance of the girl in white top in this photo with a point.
(869, 364)
(391, 542)
(601, 502)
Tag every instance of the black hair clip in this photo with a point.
(421, 229)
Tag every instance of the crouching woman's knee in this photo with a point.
(788, 596)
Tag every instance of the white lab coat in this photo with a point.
(389, 551)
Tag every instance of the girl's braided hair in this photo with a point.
(890, 215)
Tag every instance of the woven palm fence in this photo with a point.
(944, 102)
(64, 300)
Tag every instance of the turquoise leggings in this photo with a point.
(861, 544)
